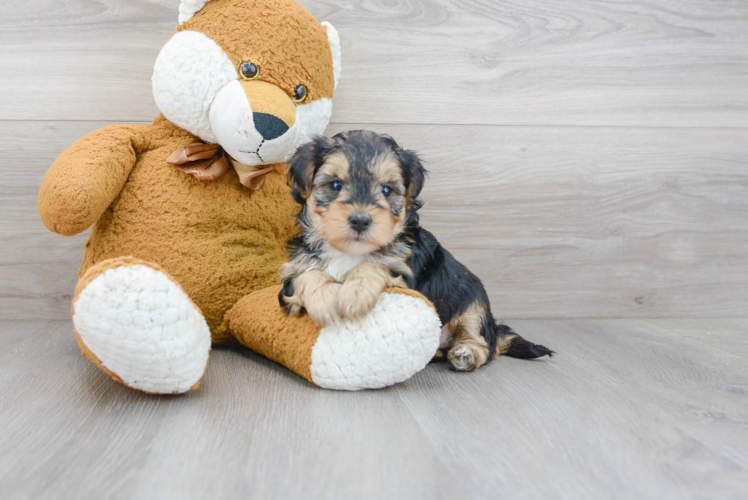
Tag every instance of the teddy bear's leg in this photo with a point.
(136, 323)
(389, 345)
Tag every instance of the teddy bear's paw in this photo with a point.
(143, 329)
(389, 345)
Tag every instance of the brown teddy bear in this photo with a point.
(191, 214)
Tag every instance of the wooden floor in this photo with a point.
(588, 159)
(628, 409)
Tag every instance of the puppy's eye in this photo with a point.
(299, 93)
(336, 186)
(249, 71)
(386, 191)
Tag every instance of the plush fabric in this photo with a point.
(188, 8)
(219, 240)
(135, 322)
(337, 51)
(394, 341)
(258, 322)
(189, 71)
(176, 262)
(293, 50)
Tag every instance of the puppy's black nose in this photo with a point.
(360, 222)
(269, 126)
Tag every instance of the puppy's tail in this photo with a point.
(509, 343)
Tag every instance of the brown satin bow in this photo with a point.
(209, 162)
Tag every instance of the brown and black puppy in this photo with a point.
(359, 234)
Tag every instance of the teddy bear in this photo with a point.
(191, 214)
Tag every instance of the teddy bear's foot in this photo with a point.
(136, 324)
(389, 345)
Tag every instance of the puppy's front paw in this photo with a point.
(293, 305)
(398, 282)
(323, 306)
(356, 299)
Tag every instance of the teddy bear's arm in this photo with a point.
(86, 178)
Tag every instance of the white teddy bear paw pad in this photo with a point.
(390, 345)
(144, 329)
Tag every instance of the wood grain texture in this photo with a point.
(646, 409)
(531, 62)
(588, 159)
(558, 222)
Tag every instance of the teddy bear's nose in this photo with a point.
(269, 126)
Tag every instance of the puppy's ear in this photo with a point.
(414, 173)
(341, 137)
(304, 164)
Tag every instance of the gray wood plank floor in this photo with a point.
(606, 141)
(629, 409)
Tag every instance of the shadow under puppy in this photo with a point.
(359, 234)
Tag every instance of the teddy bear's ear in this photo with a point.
(334, 39)
(189, 8)
(304, 164)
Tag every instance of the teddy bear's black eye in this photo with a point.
(249, 71)
(299, 93)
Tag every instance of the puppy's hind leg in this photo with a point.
(469, 349)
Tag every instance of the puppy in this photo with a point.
(359, 233)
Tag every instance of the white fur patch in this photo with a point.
(311, 119)
(189, 8)
(143, 328)
(233, 126)
(337, 264)
(232, 122)
(190, 70)
(341, 264)
(337, 53)
(390, 345)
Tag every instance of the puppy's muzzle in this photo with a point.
(359, 222)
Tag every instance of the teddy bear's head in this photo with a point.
(255, 76)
